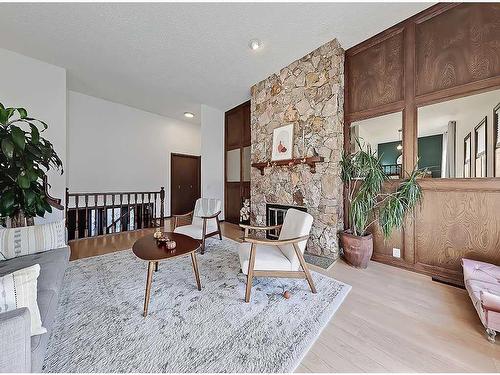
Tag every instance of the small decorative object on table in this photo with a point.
(157, 234)
(170, 245)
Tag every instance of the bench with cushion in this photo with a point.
(482, 281)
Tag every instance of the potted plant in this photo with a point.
(364, 178)
(25, 158)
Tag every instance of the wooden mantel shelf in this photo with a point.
(310, 161)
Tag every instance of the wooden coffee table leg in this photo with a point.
(156, 266)
(151, 267)
(195, 268)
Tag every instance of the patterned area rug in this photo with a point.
(100, 327)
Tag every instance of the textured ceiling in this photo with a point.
(169, 58)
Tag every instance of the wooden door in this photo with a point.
(237, 160)
(185, 183)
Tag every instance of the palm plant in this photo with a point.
(25, 158)
(364, 177)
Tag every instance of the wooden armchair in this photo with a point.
(205, 221)
(277, 258)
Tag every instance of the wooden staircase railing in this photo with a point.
(94, 214)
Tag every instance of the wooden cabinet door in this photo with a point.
(236, 157)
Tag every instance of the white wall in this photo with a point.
(113, 147)
(41, 89)
(212, 153)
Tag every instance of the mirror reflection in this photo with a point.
(458, 138)
(384, 135)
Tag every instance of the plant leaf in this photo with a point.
(7, 148)
(23, 181)
(18, 137)
(22, 112)
(35, 134)
(4, 116)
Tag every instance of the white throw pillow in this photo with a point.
(18, 289)
(16, 242)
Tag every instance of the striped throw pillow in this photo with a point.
(16, 242)
(18, 289)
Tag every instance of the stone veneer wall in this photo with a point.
(310, 94)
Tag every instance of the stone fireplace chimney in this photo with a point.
(310, 94)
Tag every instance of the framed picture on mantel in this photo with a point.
(282, 143)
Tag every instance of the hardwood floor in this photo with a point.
(392, 320)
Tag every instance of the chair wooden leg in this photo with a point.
(203, 236)
(304, 267)
(218, 228)
(251, 264)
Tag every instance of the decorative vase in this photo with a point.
(358, 250)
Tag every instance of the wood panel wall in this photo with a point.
(445, 52)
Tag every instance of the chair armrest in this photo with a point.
(265, 241)
(176, 217)
(210, 217)
(184, 215)
(269, 227)
(15, 342)
(490, 302)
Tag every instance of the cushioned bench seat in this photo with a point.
(482, 281)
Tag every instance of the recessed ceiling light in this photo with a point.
(188, 114)
(255, 44)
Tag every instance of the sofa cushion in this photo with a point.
(19, 289)
(16, 242)
(52, 263)
(47, 302)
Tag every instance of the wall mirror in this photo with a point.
(384, 135)
(459, 138)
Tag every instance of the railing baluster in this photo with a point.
(135, 211)
(149, 210)
(155, 215)
(96, 230)
(112, 212)
(86, 231)
(128, 211)
(104, 213)
(77, 228)
(142, 210)
(121, 207)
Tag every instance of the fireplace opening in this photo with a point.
(275, 214)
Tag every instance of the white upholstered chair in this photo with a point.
(205, 221)
(277, 258)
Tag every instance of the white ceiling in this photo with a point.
(169, 58)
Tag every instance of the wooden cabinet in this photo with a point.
(236, 160)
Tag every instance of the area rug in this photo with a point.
(100, 328)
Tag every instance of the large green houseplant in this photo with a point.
(364, 178)
(25, 158)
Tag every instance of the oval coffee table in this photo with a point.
(146, 248)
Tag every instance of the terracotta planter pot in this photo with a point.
(357, 250)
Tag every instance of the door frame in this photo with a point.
(175, 154)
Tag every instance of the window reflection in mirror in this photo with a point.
(455, 138)
(384, 135)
